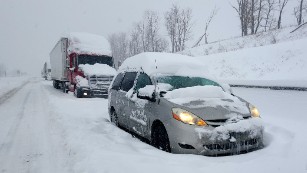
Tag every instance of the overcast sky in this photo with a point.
(30, 28)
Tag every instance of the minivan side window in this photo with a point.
(128, 81)
(117, 82)
(142, 81)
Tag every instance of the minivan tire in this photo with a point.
(114, 118)
(160, 138)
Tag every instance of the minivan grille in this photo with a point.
(231, 145)
(218, 122)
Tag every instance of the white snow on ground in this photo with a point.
(86, 43)
(87, 142)
(282, 64)
(97, 69)
(258, 40)
(9, 83)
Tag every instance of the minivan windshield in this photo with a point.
(177, 82)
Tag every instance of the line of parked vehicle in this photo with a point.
(168, 99)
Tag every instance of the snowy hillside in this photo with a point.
(274, 58)
(282, 64)
(260, 39)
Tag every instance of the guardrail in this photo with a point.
(272, 87)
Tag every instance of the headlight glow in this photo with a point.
(254, 111)
(187, 117)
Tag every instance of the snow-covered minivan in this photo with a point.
(171, 100)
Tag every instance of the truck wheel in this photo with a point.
(78, 93)
(56, 84)
(64, 87)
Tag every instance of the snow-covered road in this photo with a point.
(29, 139)
(45, 130)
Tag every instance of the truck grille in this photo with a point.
(100, 82)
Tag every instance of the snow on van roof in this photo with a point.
(86, 43)
(165, 63)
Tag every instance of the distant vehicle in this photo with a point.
(171, 101)
(46, 71)
(82, 63)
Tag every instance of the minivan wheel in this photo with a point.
(160, 138)
(114, 118)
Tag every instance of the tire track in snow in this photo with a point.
(11, 93)
(12, 131)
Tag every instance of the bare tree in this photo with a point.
(269, 14)
(242, 8)
(281, 6)
(135, 42)
(213, 13)
(151, 21)
(260, 15)
(145, 35)
(251, 14)
(298, 11)
(119, 46)
(178, 25)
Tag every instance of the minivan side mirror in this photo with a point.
(148, 93)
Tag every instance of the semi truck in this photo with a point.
(83, 64)
(46, 71)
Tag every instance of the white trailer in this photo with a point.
(58, 62)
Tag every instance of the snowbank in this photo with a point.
(97, 69)
(85, 43)
(283, 64)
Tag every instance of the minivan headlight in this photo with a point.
(187, 117)
(254, 111)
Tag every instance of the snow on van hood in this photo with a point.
(97, 69)
(206, 96)
(86, 43)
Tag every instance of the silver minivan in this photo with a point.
(170, 100)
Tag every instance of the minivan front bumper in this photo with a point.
(234, 138)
